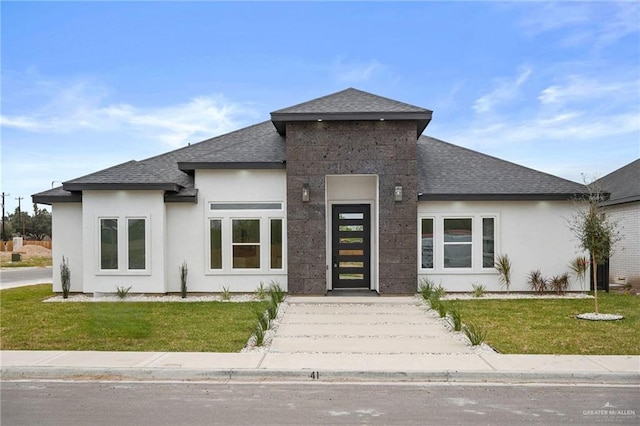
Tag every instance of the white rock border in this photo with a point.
(592, 316)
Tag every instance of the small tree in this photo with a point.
(595, 232)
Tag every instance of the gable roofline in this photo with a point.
(351, 105)
(622, 184)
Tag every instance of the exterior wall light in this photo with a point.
(305, 192)
(397, 193)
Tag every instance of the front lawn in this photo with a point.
(33, 261)
(549, 326)
(29, 324)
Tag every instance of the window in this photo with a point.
(136, 243)
(426, 243)
(276, 244)
(109, 244)
(215, 230)
(488, 242)
(246, 243)
(457, 243)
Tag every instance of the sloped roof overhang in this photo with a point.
(280, 119)
(190, 166)
(503, 197)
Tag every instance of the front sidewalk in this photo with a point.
(496, 368)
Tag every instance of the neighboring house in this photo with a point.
(623, 207)
(338, 192)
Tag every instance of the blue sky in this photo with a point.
(87, 85)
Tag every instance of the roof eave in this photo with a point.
(51, 199)
(190, 166)
(500, 197)
(422, 118)
(165, 186)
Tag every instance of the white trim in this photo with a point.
(476, 243)
(122, 233)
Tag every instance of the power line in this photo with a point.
(4, 232)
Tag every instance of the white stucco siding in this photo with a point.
(625, 261)
(534, 234)
(66, 229)
(123, 206)
(188, 230)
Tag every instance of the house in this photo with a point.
(623, 207)
(340, 192)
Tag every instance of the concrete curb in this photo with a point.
(248, 375)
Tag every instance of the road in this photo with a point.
(17, 277)
(313, 403)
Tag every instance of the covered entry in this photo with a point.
(351, 246)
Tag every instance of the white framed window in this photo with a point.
(488, 242)
(457, 247)
(123, 245)
(245, 243)
(458, 243)
(108, 244)
(215, 244)
(245, 237)
(275, 244)
(426, 243)
(136, 244)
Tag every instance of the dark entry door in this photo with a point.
(351, 246)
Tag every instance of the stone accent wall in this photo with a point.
(387, 149)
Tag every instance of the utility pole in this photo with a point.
(20, 216)
(4, 232)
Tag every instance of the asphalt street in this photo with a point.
(18, 277)
(309, 403)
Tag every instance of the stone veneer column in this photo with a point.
(387, 149)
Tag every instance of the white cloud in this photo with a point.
(356, 72)
(578, 88)
(506, 90)
(85, 105)
(595, 24)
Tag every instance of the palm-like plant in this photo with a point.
(503, 266)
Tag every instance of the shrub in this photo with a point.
(264, 320)
(259, 334)
(183, 278)
(437, 305)
(439, 291)
(272, 310)
(65, 278)
(122, 291)
(474, 333)
(537, 281)
(455, 319)
(579, 266)
(503, 266)
(560, 283)
(276, 293)
(426, 288)
(478, 290)
(261, 291)
(226, 294)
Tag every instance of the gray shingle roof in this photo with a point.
(448, 172)
(351, 104)
(623, 184)
(445, 171)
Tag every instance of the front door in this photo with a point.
(351, 246)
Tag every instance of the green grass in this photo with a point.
(35, 261)
(29, 324)
(549, 326)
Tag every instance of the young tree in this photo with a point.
(595, 232)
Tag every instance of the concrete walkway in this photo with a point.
(331, 338)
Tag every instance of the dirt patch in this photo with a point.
(27, 252)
